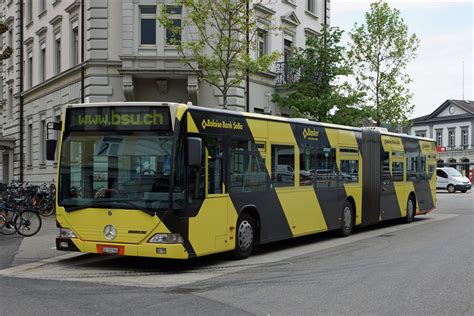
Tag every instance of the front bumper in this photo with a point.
(461, 187)
(169, 251)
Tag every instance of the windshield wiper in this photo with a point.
(104, 204)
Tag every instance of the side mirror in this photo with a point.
(193, 151)
(50, 149)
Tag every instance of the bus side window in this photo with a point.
(308, 164)
(247, 168)
(326, 172)
(283, 165)
(215, 164)
(412, 165)
(350, 171)
(397, 171)
(386, 176)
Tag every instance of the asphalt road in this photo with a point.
(422, 268)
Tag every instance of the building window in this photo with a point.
(262, 44)
(258, 110)
(57, 54)
(42, 6)
(10, 102)
(148, 25)
(287, 48)
(451, 138)
(29, 10)
(439, 137)
(10, 44)
(29, 82)
(42, 62)
(42, 140)
(174, 13)
(420, 134)
(311, 6)
(75, 44)
(30, 145)
(283, 165)
(464, 137)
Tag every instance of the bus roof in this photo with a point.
(174, 105)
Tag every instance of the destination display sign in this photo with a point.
(118, 118)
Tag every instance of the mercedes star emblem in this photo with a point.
(110, 232)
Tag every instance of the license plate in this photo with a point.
(110, 250)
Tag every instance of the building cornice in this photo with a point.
(439, 119)
(291, 18)
(73, 7)
(41, 31)
(56, 20)
(28, 41)
(263, 9)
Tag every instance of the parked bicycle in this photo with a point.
(27, 223)
(28, 196)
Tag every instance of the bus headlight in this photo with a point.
(166, 239)
(65, 233)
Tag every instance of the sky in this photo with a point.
(445, 29)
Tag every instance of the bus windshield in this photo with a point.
(126, 170)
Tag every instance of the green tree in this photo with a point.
(319, 92)
(380, 50)
(7, 52)
(214, 42)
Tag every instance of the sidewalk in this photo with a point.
(41, 246)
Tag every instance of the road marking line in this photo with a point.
(34, 265)
(52, 269)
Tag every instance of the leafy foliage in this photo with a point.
(380, 51)
(8, 51)
(214, 42)
(318, 93)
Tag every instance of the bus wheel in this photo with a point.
(451, 188)
(244, 236)
(347, 220)
(410, 211)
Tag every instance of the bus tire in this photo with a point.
(347, 220)
(451, 188)
(411, 210)
(244, 236)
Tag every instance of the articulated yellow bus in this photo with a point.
(171, 180)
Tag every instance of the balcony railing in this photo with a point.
(285, 73)
(288, 74)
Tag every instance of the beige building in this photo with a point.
(452, 126)
(109, 50)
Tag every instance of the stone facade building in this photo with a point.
(452, 126)
(119, 53)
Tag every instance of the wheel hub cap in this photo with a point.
(347, 217)
(245, 235)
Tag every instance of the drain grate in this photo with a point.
(387, 235)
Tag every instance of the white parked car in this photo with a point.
(450, 179)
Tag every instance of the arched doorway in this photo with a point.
(440, 163)
(465, 167)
